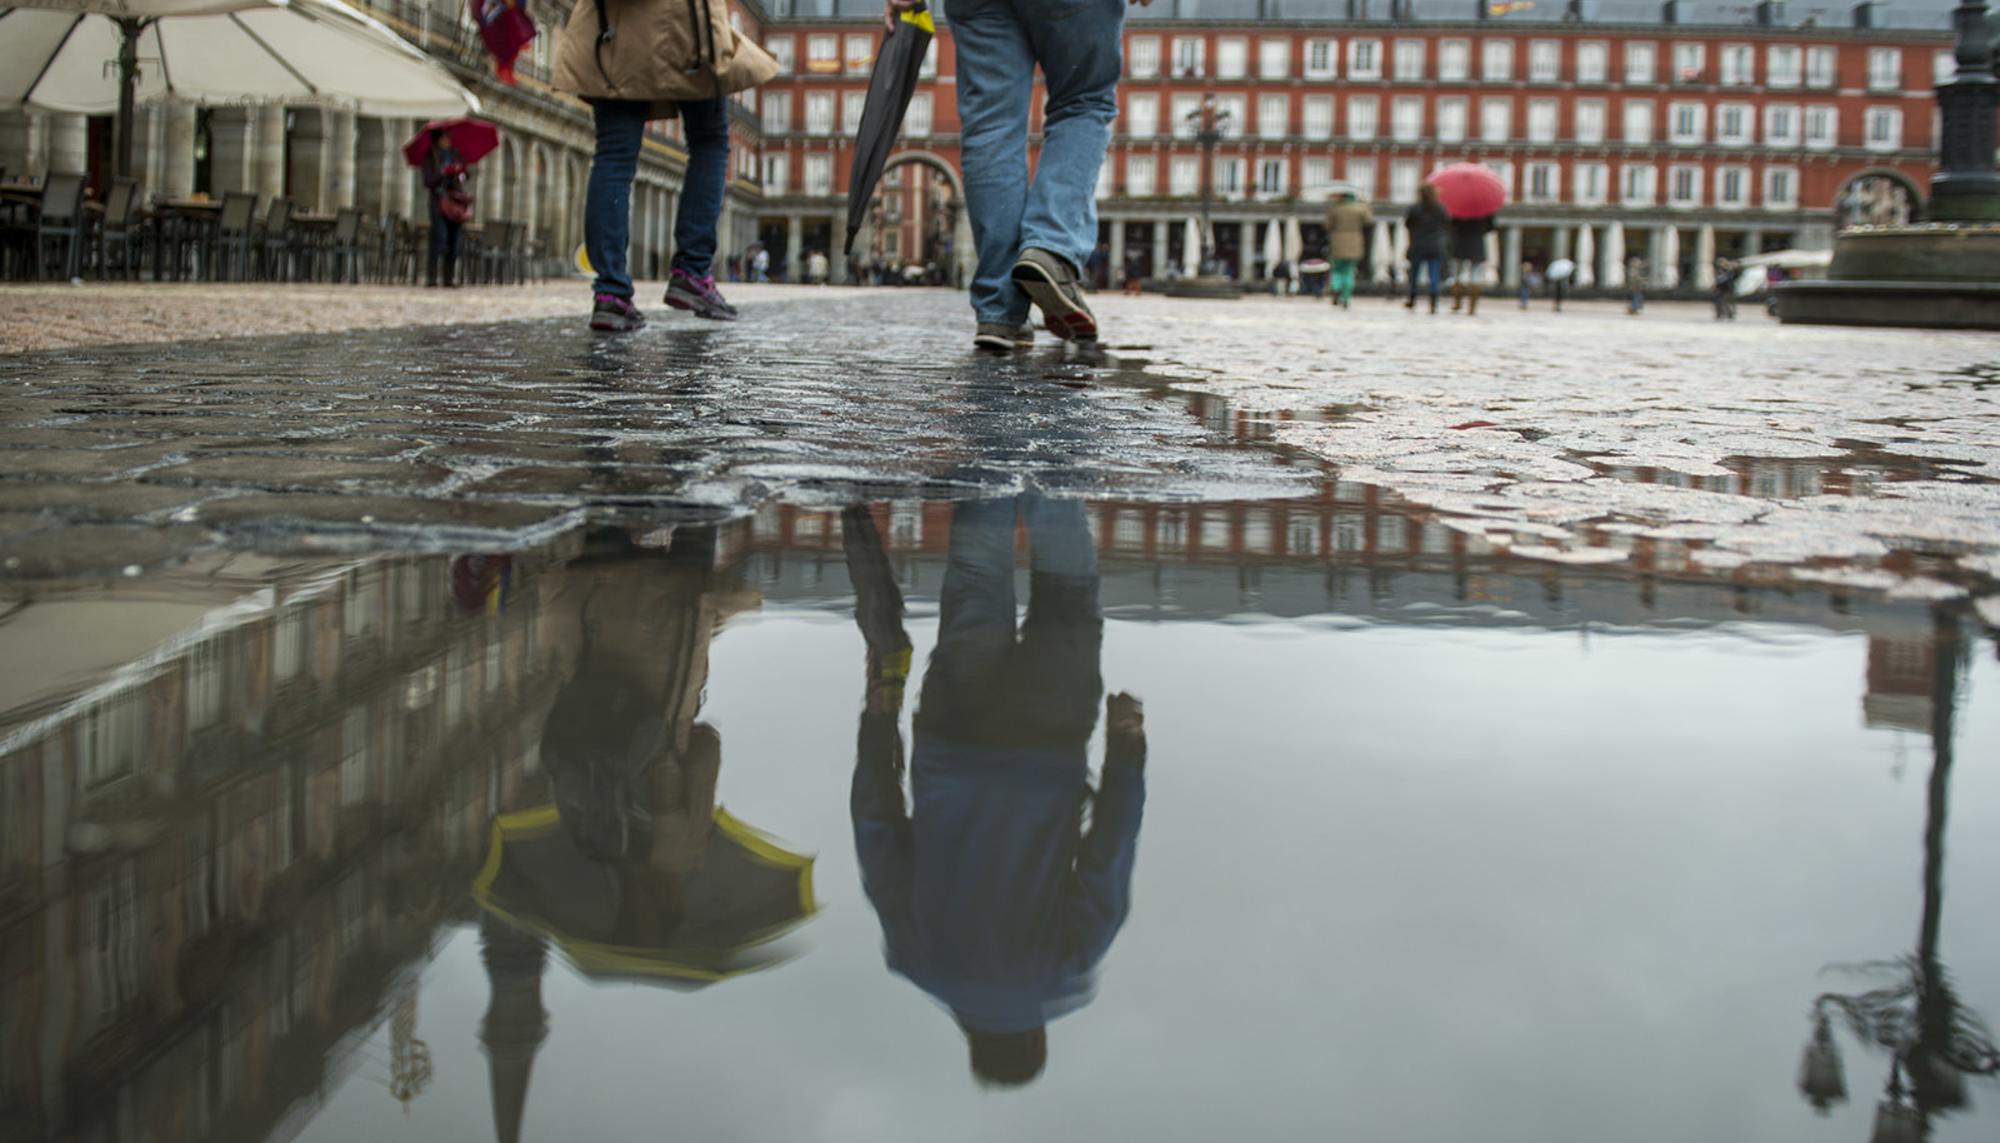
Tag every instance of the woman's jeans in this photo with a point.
(1431, 270)
(607, 204)
(444, 246)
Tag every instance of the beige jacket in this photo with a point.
(1346, 230)
(661, 52)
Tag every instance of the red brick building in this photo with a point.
(1669, 140)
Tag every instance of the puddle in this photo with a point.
(778, 829)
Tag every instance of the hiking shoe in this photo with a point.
(1051, 282)
(613, 314)
(697, 296)
(1004, 336)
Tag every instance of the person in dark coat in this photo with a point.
(1468, 261)
(1430, 231)
(444, 175)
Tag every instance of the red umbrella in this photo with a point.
(1469, 190)
(474, 139)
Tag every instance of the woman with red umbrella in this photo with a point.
(443, 149)
(1472, 195)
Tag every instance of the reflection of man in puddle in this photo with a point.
(993, 896)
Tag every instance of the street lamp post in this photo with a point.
(1208, 124)
(1966, 187)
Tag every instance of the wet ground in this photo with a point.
(565, 739)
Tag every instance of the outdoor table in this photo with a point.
(194, 217)
(315, 229)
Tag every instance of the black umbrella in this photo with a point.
(889, 90)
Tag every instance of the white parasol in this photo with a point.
(1586, 257)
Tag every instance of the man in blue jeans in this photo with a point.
(607, 211)
(1033, 238)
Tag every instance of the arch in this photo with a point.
(963, 253)
(1878, 196)
(932, 160)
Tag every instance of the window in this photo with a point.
(1318, 117)
(1455, 60)
(1690, 60)
(1274, 58)
(822, 55)
(777, 174)
(1781, 188)
(1315, 175)
(777, 112)
(860, 54)
(1504, 171)
(1406, 118)
(928, 69)
(917, 120)
(1544, 183)
(1453, 115)
(1686, 123)
(1732, 187)
(819, 113)
(1781, 125)
(1944, 68)
(1232, 116)
(1496, 120)
(851, 104)
(1591, 181)
(1362, 113)
(1732, 124)
(1141, 176)
(1361, 173)
(1885, 69)
(1822, 127)
(1545, 61)
(1405, 176)
(819, 175)
(1142, 115)
(1885, 128)
(1739, 65)
(1320, 59)
(1189, 55)
(1274, 116)
(1496, 61)
(1542, 115)
(1364, 59)
(1593, 62)
(1638, 121)
(1781, 66)
(1270, 177)
(1684, 186)
(1232, 58)
(1590, 121)
(1184, 176)
(1229, 177)
(1410, 59)
(1144, 57)
(1636, 184)
(1187, 116)
(1640, 62)
(781, 48)
(1822, 67)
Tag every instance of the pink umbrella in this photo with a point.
(1469, 190)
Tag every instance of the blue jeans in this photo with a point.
(1431, 269)
(999, 42)
(607, 203)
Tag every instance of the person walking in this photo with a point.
(1033, 235)
(760, 264)
(444, 178)
(1635, 285)
(1728, 272)
(816, 267)
(1429, 227)
(1347, 223)
(620, 74)
(1468, 261)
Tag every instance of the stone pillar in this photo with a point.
(1510, 257)
(268, 167)
(1704, 258)
(795, 242)
(1246, 250)
(837, 257)
(373, 154)
(309, 159)
(148, 123)
(231, 144)
(1161, 248)
(68, 143)
(1491, 274)
(1753, 242)
(342, 143)
(968, 255)
(1117, 268)
(1562, 243)
(177, 150)
(1666, 270)
(21, 142)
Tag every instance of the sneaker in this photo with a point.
(1051, 282)
(613, 314)
(697, 296)
(1003, 336)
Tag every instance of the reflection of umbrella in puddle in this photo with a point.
(628, 920)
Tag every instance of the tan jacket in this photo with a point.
(1347, 226)
(661, 52)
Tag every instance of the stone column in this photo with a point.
(69, 144)
(147, 153)
(968, 255)
(309, 159)
(837, 257)
(1753, 242)
(1246, 250)
(268, 166)
(1161, 248)
(231, 145)
(342, 143)
(1666, 271)
(795, 241)
(374, 152)
(176, 150)
(1117, 268)
(1562, 243)
(1704, 258)
(1510, 257)
(1492, 273)
(21, 141)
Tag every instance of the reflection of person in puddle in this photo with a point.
(993, 896)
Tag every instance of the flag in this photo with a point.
(1509, 7)
(505, 27)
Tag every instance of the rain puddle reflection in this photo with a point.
(1015, 818)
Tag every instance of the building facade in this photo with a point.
(1672, 141)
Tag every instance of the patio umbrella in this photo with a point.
(1667, 259)
(1586, 256)
(1191, 247)
(1469, 190)
(83, 56)
(1614, 256)
(1399, 248)
(1274, 247)
(473, 139)
(1295, 246)
(1704, 258)
(1379, 269)
(628, 921)
(890, 87)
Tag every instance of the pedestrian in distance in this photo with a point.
(611, 54)
(1635, 285)
(1728, 272)
(760, 263)
(1347, 223)
(1531, 279)
(817, 267)
(1429, 227)
(1033, 236)
(444, 178)
(1468, 261)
